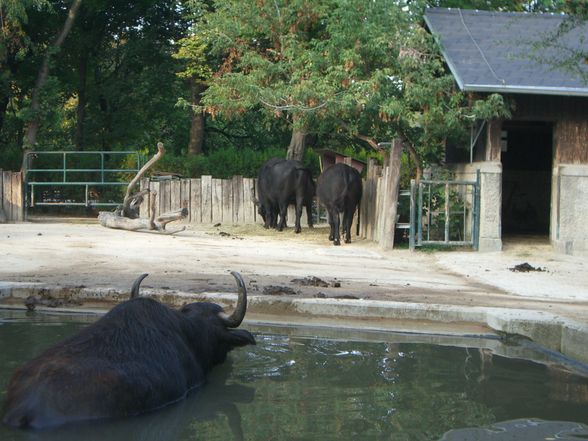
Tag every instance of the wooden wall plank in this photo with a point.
(227, 201)
(7, 188)
(175, 195)
(206, 199)
(185, 197)
(164, 196)
(217, 201)
(237, 199)
(249, 208)
(196, 201)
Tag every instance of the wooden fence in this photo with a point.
(208, 199)
(11, 196)
(380, 198)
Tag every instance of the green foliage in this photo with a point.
(226, 162)
(346, 66)
(192, 50)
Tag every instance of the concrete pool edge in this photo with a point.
(554, 332)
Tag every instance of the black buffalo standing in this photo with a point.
(282, 182)
(141, 356)
(339, 189)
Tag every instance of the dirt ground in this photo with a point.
(82, 253)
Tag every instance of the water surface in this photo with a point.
(292, 386)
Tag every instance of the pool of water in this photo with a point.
(344, 386)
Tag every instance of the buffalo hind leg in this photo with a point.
(283, 213)
(347, 221)
(309, 215)
(334, 223)
(297, 228)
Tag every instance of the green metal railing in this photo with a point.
(446, 213)
(57, 171)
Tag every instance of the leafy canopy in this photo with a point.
(369, 69)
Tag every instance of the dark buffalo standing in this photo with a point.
(282, 182)
(339, 189)
(141, 356)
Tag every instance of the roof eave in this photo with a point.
(494, 88)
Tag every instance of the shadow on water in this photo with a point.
(216, 400)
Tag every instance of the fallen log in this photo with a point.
(126, 216)
(112, 220)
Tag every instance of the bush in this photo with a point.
(227, 162)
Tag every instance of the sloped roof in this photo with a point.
(494, 51)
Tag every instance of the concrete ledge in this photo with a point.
(549, 330)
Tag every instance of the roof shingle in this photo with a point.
(497, 51)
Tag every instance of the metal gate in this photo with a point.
(76, 178)
(445, 213)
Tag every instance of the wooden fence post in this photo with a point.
(227, 208)
(238, 199)
(249, 207)
(185, 198)
(206, 199)
(196, 200)
(391, 187)
(217, 201)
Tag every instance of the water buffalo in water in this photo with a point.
(339, 189)
(280, 183)
(139, 357)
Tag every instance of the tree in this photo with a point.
(13, 45)
(267, 48)
(197, 71)
(33, 124)
(368, 69)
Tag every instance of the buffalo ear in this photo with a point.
(240, 337)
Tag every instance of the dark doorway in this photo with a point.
(527, 155)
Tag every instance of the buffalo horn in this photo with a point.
(235, 319)
(136, 284)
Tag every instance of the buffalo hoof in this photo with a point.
(298, 230)
(331, 237)
(337, 242)
(347, 240)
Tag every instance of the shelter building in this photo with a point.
(534, 166)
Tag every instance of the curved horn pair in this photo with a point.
(235, 319)
(230, 321)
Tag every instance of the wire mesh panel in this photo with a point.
(447, 213)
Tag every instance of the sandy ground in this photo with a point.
(82, 253)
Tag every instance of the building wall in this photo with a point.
(569, 194)
(570, 118)
(569, 232)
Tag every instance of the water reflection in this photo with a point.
(215, 401)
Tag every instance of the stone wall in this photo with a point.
(569, 213)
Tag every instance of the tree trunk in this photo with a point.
(197, 126)
(297, 145)
(81, 109)
(32, 129)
